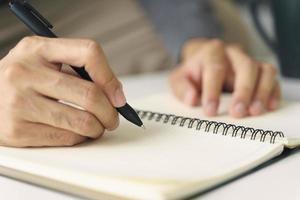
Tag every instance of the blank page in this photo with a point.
(157, 160)
(284, 119)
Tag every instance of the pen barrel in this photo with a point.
(37, 26)
(30, 20)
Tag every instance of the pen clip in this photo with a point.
(37, 15)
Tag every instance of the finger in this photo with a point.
(87, 53)
(265, 85)
(193, 70)
(39, 135)
(274, 101)
(183, 88)
(83, 93)
(215, 63)
(246, 72)
(191, 47)
(62, 116)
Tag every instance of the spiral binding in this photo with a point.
(212, 126)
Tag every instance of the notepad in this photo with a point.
(180, 153)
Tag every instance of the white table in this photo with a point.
(277, 181)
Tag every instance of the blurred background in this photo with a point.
(141, 36)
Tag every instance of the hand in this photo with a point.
(210, 66)
(31, 84)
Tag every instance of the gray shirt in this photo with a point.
(178, 20)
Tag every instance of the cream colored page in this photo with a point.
(159, 153)
(285, 119)
(165, 166)
(156, 160)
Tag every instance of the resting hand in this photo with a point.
(209, 67)
(31, 84)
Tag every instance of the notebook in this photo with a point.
(180, 153)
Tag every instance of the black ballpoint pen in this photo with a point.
(41, 27)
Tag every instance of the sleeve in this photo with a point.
(179, 20)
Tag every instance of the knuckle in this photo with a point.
(92, 47)
(28, 43)
(86, 123)
(193, 42)
(57, 117)
(236, 47)
(91, 96)
(217, 43)
(16, 102)
(11, 52)
(14, 72)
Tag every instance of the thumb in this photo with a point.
(184, 88)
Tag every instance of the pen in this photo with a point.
(42, 27)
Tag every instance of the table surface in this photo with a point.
(276, 181)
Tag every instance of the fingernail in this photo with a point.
(211, 108)
(274, 104)
(189, 98)
(257, 107)
(240, 109)
(120, 99)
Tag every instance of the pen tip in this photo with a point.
(143, 127)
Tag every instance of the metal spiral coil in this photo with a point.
(212, 126)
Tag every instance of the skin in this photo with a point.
(209, 67)
(31, 115)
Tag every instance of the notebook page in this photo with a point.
(154, 154)
(156, 179)
(159, 160)
(285, 119)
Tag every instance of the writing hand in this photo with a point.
(31, 84)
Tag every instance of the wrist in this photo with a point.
(190, 47)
